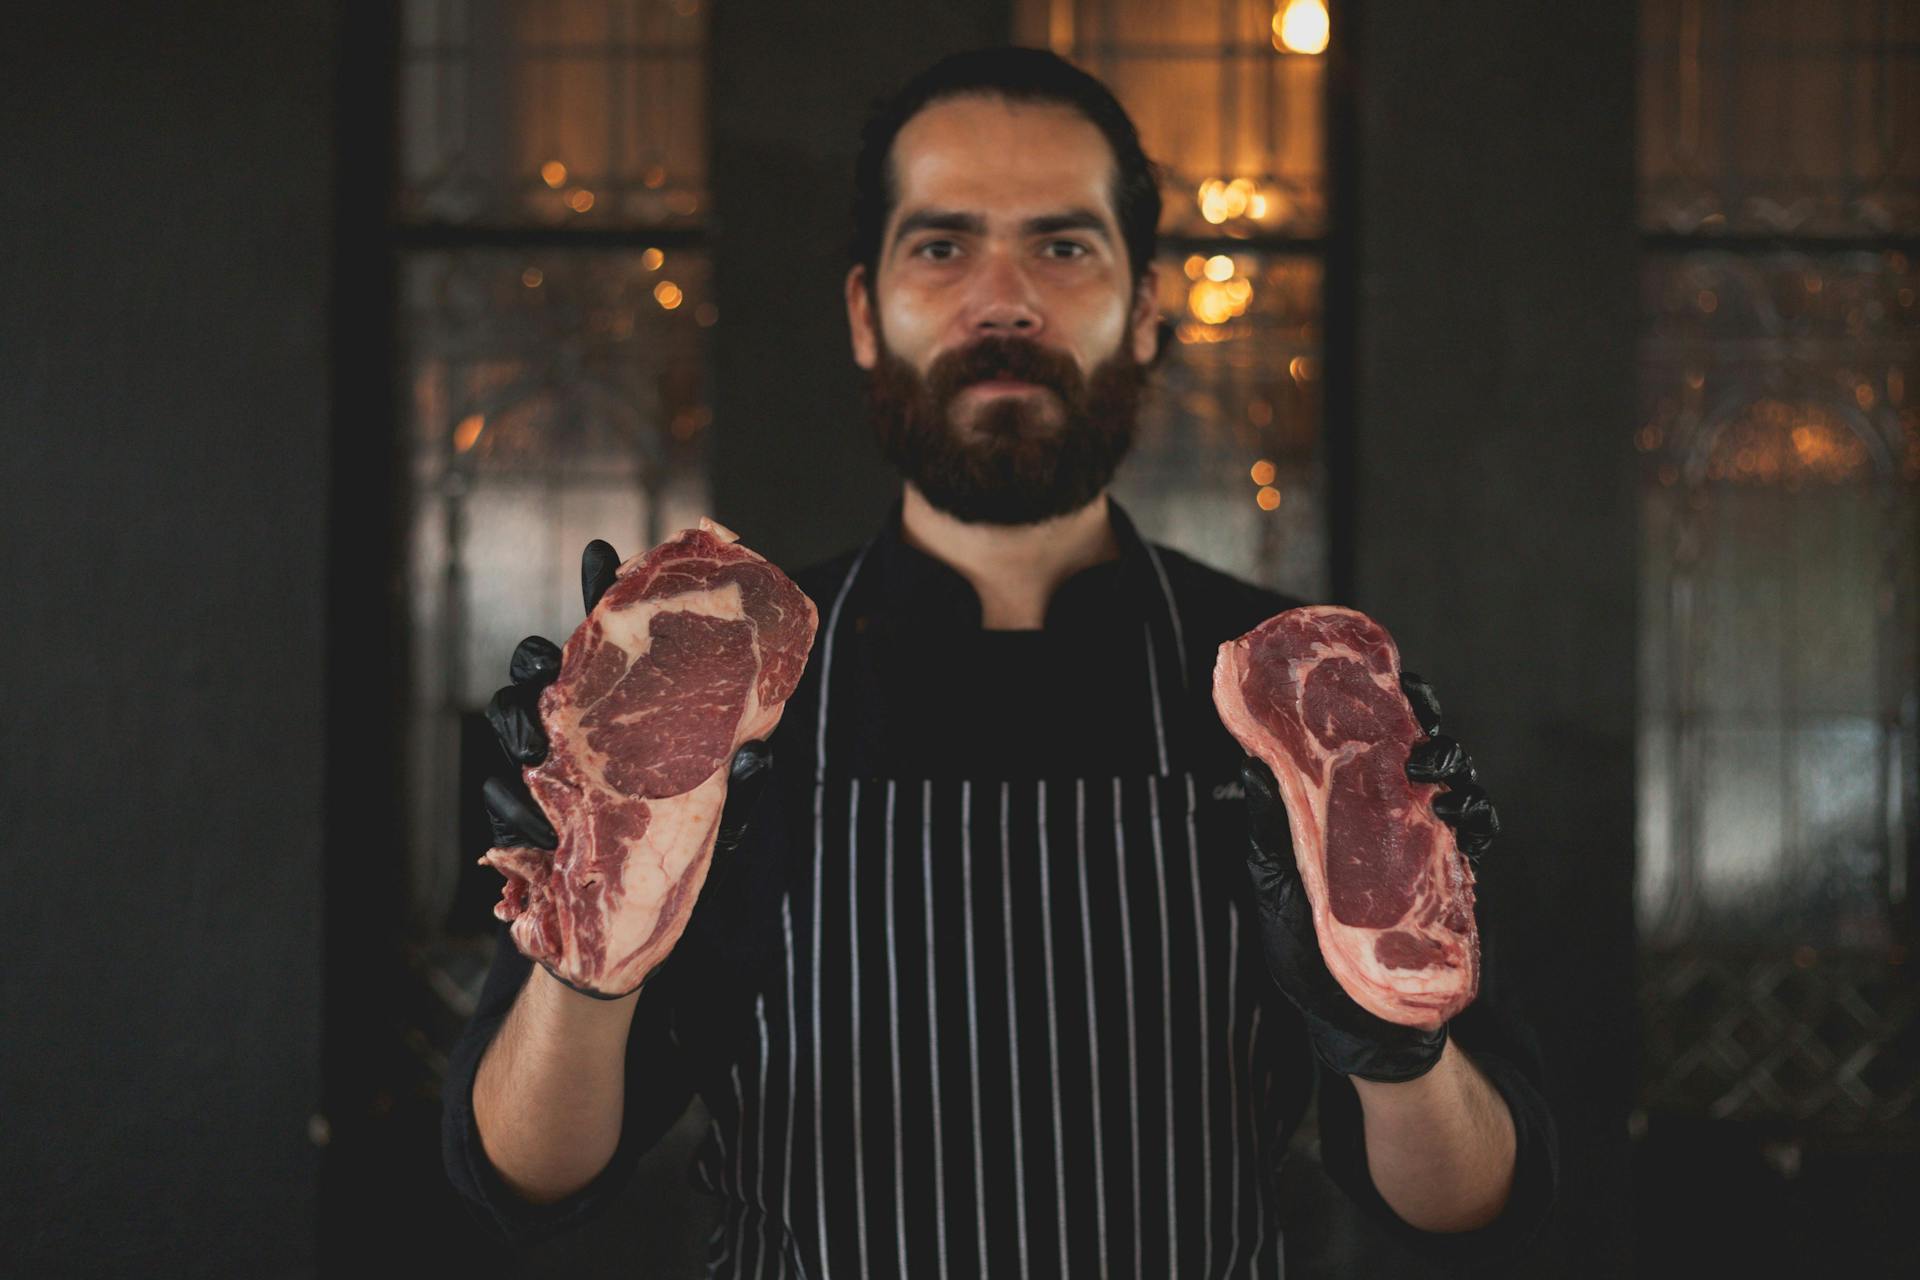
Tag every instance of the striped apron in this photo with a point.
(1013, 1033)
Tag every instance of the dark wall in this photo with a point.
(795, 471)
(164, 232)
(1494, 529)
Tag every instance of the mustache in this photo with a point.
(1018, 358)
(1006, 471)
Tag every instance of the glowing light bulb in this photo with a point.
(1301, 27)
(1213, 201)
(467, 434)
(554, 174)
(1262, 472)
(1210, 303)
(1268, 498)
(1238, 195)
(667, 294)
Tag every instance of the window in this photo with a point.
(1780, 195)
(555, 316)
(1229, 98)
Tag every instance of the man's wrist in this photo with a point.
(560, 992)
(1374, 1060)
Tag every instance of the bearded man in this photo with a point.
(986, 988)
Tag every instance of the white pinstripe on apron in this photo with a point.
(1013, 1035)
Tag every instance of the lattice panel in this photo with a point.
(1828, 1042)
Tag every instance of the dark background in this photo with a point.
(201, 580)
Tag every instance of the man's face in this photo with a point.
(1004, 340)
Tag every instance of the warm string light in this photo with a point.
(1775, 442)
(1301, 26)
(1218, 293)
(555, 174)
(1223, 200)
(1263, 473)
(1215, 302)
(467, 434)
(1191, 332)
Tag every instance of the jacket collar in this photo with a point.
(915, 588)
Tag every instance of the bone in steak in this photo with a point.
(692, 651)
(1315, 693)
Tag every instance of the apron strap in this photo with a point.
(826, 662)
(1172, 613)
(1173, 610)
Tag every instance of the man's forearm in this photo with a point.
(551, 1089)
(1440, 1148)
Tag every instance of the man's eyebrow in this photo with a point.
(974, 224)
(1071, 220)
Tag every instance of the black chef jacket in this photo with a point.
(924, 703)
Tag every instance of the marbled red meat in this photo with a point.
(692, 651)
(1315, 693)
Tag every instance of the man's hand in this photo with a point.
(514, 713)
(1346, 1037)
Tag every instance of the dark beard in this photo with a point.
(1011, 465)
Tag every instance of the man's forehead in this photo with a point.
(1000, 159)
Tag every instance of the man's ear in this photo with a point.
(1144, 323)
(860, 322)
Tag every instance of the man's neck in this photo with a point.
(1014, 569)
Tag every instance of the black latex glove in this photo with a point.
(514, 713)
(1346, 1037)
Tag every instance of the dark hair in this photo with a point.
(1020, 75)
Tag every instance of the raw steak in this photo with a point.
(1316, 694)
(692, 651)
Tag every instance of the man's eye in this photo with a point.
(938, 250)
(1074, 247)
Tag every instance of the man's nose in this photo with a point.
(1003, 302)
